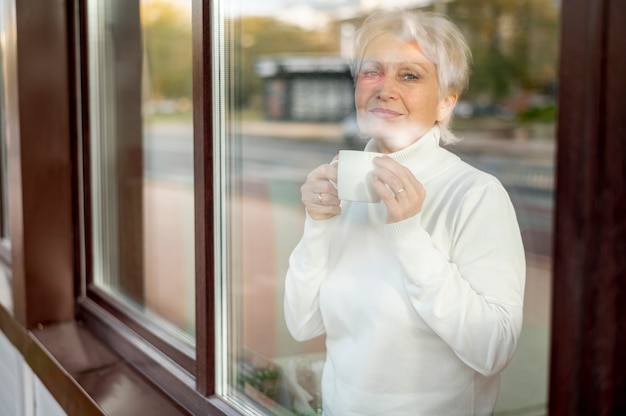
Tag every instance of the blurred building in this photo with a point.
(306, 88)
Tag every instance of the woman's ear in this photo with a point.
(446, 105)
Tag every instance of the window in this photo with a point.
(4, 228)
(141, 159)
(5, 280)
(6, 298)
(143, 256)
(4, 223)
(287, 108)
(230, 135)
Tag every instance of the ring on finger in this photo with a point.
(319, 198)
(398, 191)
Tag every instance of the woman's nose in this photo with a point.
(387, 89)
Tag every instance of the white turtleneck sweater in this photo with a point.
(422, 315)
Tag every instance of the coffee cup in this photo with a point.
(355, 175)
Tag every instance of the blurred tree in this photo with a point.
(513, 44)
(166, 31)
(253, 36)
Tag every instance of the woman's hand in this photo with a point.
(401, 192)
(319, 194)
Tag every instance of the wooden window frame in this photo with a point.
(588, 369)
(159, 356)
(93, 300)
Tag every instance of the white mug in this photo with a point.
(355, 174)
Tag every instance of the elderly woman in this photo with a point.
(420, 295)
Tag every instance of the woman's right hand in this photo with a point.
(319, 194)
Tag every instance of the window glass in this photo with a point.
(7, 43)
(287, 107)
(4, 224)
(141, 156)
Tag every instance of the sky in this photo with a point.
(273, 6)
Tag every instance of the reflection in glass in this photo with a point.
(4, 206)
(141, 156)
(287, 108)
(6, 291)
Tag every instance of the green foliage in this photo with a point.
(251, 37)
(514, 44)
(166, 33)
(262, 379)
(540, 114)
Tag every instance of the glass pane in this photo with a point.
(6, 291)
(4, 37)
(141, 156)
(288, 106)
(7, 94)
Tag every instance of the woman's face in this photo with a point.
(397, 93)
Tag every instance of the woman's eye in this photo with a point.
(409, 76)
(370, 73)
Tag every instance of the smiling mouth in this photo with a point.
(384, 113)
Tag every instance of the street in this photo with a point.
(285, 163)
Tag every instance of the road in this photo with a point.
(285, 163)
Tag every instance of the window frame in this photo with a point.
(158, 355)
(586, 374)
(93, 299)
(587, 370)
(597, 35)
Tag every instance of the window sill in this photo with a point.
(84, 375)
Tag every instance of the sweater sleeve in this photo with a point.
(473, 298)
(308, 266)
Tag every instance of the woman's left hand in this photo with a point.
(401, 192)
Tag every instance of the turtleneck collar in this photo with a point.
(424, 157)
